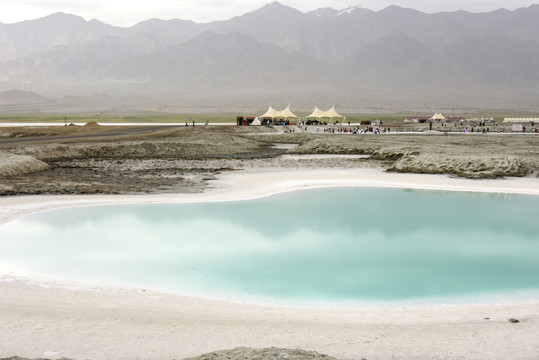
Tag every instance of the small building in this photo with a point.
(455, 118)
(244, 120)
(438, 117)
(417, 119)
(521, 120)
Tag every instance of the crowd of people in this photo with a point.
(355, 130)
(345, 130)
(481, 127)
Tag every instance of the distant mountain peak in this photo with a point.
(63, 15)
(267, 17)
(350, 9)
(275, 4)
(396, 8)
(16, 96)
(276, 7)
(398, 13)
(60, 14)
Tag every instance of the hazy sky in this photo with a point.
(129, 12)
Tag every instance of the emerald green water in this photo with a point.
(321, 246)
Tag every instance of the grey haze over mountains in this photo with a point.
(360, 60)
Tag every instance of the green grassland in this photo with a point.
(171, 118)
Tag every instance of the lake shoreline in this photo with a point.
(103, 323)
(252, 184)
(106, 323)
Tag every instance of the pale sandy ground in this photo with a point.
(40, 319)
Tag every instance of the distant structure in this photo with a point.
(269, 117)
(483, 119)
(417, 119)
(435, 117)
(271, 113)
(319, 114)
(287, 113)
(281, 117)
(275, 114)
(521, 120)
(455, 118)
(438, 117)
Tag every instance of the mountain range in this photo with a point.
(361, 60)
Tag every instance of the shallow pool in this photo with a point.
(310, 247)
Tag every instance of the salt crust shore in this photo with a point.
(39, 319)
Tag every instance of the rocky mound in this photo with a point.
(242, 353)
(474, 167)
(333, 145)
(11, 164)
(21, 358)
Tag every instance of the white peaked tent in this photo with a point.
(438, 117)
(287, 113)
(256, 121)
(317, 113)
(332, 113)
(271, 113)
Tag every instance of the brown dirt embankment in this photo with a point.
(111, 160)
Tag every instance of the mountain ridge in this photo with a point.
(277, 51)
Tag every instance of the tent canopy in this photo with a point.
(438, 117)
(317, 113)
(287, 113)
(331, 113)
(272, 113)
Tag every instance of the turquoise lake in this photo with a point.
(310, 247)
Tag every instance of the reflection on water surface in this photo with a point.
(324, 245)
